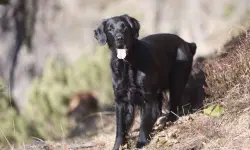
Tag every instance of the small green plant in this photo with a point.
(214, 111)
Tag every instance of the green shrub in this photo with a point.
(92, 73)
(12, 126)
(44, 116)
(50, 93)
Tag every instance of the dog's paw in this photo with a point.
(140, 144)
(172, 118)
(118, 143)
(160, 123)
(116, 147)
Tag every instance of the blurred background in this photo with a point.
(55, 78)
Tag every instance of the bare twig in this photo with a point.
(11, 147)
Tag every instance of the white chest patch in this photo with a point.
(121, 53)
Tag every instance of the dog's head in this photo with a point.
(119, 32)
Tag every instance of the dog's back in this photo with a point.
(168, 43)
(166, 49)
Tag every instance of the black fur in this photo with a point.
(153, 64)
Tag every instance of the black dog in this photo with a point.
(141, 71)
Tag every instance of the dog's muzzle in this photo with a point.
(121, 53)
(120, 47)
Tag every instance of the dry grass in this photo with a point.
(231, 70)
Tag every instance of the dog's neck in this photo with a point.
(130, 58)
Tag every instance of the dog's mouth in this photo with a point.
(121, 53)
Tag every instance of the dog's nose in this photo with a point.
(119, 38)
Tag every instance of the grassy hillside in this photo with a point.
(225, 126)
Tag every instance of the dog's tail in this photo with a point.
(192, 47)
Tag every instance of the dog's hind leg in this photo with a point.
(150, 111)
(178, 79)
(124, 119)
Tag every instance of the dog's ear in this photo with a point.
(100, 35)
(135, 25)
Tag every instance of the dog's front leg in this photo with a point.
(120, 126)
(124, 119)
(150, 111)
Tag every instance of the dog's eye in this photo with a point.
(110, 28)
(124, 29)
(123, 26)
